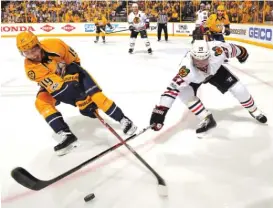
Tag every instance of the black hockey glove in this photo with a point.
(242, 59)
(132, 28)
(147, 25)
(227, 32)
(158, 117)
(244, 54)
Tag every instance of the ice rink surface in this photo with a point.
(233, 168)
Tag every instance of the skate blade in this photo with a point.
(202, 135)
(206, 134)
(132, 131)
(67, 150)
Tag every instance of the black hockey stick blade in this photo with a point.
(23, 177)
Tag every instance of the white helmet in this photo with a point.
(200, 50)
(134, 5)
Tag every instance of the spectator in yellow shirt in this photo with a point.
(68, 17)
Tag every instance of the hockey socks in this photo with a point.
(240, 92)
(249, 105)
(56, 122)
(198, 109)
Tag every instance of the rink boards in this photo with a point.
(260, 35)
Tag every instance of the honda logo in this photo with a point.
(16, 28)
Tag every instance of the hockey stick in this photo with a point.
(117, 31)
(217, 33)
(102, 30)
(23, 177)
(162, 187)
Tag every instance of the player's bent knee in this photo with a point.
(239, 90)
(103, 102)
(45, 104)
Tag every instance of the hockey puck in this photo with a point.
(89, 197)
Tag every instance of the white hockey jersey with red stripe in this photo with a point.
(202, 17)
(188, 73)
(138, 20)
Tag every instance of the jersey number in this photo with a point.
(73, 53)
(177, 79)
(46, 82)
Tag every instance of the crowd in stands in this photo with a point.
(239, 11)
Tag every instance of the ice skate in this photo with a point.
(127, 126)
(131, 51)
(67, 144)
(97, 40)
(258, 115)
(207, 124)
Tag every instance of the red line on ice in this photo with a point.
(94, 167)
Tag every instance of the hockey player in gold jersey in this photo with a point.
(56, 68)
(100, 22)
(217, 25)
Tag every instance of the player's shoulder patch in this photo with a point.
(217, 50)
(183, 71)
(31, 75)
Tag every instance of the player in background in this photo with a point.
(217, 25)
(138, 23)
(202, 16)
(204, 64)
(56, 68)
(100, 23)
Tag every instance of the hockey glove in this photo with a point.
(243, 56)
(89, 110)
(207, 35)
(227, 32)
(132, 28)
(147, 25)
(158, 117)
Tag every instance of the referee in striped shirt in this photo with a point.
(162, 22)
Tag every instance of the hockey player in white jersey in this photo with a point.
(202, 16)
(138, 23)
(204, 64)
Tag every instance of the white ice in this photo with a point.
(231, 169)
